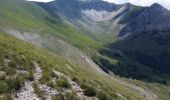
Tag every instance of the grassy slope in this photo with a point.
(161, 91)
(28, 16)
(23, 54)
(28, 19)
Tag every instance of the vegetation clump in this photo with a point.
(102, 96)
(90, 91)
(63, 83)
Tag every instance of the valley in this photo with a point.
(83, 50)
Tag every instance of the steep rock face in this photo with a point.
(154, 18)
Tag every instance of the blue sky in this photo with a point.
(165, 3)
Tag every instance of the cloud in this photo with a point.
(165, 3)
(117, 1)
(41, 0)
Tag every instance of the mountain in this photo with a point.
(96, 18)
(83, 49)
(144, 40)
(47, 58)
(123, 27)
(23, 65)
(154, 18)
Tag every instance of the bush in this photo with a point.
(90, 91)
(31, 76)
(38, 91)
(15, 83)
(75, 79)
(63, 83)
(58, 97)
(83, 86)
(102, 96)
(6, 97)
(10, 71)
(71, 96)
(4, 88)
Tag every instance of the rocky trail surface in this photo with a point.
(26, 92)
(76, 87)
(47, 91)
(147, 93)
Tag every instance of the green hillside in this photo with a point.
(69, 56)
(27, 16)
(22, 54)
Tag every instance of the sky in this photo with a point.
(41, 0)
(165, 3)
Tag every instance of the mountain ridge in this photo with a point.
(129, 43)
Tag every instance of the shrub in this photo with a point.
(15, 83)
(71, 96)
(58, 97)
(10, 71)
(90, 91)
(4, 88)
(31, 76)
(63, 83)
(102, 96)
(6, 97)
(75, 79)
(83, 86)
(38, 91)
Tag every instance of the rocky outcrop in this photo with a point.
(154, 18)
(26, 92)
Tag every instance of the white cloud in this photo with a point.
(41, 0)
(165, 3)
(117, 1)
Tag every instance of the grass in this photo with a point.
(102, 95)
(10, 46)
(6, 97)
(31, 18)
(68, 96)
(90, 91)
(38, 92)
(162, 91)
(63, 83)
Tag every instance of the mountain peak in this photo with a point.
(157, 6)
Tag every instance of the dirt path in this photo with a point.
(76, 87)
(90, 62)
(26, 93)
(148, 94)
(48, 92)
